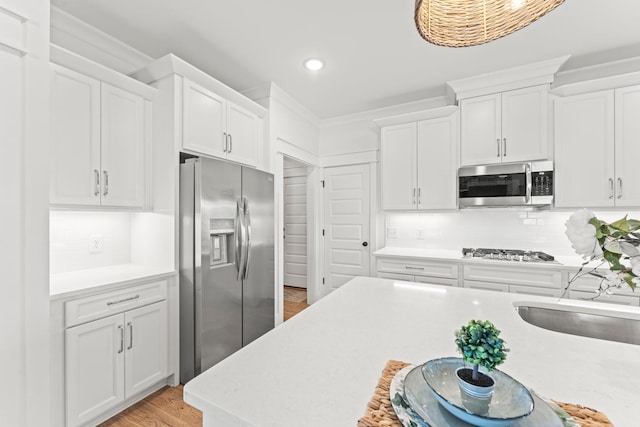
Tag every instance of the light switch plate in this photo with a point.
(96, 243)
(420, 233)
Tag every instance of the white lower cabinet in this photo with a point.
(417, 270)
(113, 358)
(585, 287)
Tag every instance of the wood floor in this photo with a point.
(165, 407)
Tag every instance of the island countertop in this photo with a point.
(321, 367)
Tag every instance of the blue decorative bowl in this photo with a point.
(511, 401)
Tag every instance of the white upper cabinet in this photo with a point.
(505, 127)
(99, 138)
(418, 164)
(122, 144)
(398, 163)
(596, 149)
(627, 148)
(217, 127)
(75, 138)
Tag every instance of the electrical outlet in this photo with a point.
(393, 232)
(96, 243)
(420, 233)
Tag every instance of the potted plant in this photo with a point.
(480, 344)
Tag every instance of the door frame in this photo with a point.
(313, 230)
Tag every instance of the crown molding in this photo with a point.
(77, 36)
(538, 73)
(416, 116)
(605, 76)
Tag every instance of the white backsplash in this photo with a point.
(488, 228)
(69, 236)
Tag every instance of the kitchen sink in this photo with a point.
(613, 325)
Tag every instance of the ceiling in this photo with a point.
(374, 55)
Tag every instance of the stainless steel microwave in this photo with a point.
(506, 184)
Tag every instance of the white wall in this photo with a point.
(489, 228)
(24, 306)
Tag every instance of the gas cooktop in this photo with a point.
(506, 255)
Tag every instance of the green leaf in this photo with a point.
(622, 224)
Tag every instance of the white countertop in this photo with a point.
(572, 262)
(63, 285)
(321, 367)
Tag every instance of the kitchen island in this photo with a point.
(321, 367)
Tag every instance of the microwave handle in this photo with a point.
(527, 170)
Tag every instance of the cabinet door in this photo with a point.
(243, 132)
(122, 148)
(94, 368)
(398, 166)
(584, 150)
(437, 163)
(480, 130)
(524, 124)
(75, 138)
(204, 120)
(627, 146)
(146, 352)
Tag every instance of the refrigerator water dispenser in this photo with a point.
(221, 232)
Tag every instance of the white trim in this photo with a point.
(503, 80)
(609, 75)
(434, 113)
(295, 152)
(399, 109)
(346, 159)
(86, 40)
(73, 61)
(171, 64)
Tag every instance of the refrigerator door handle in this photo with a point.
(247, 245)
(239, 237)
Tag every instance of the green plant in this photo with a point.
(480, 344)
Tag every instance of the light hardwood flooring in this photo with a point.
(165, 407)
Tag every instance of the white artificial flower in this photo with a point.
(582, 235)
(614, 279)
(635, 266)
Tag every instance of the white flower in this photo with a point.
(615, 279)
(582, 235)
(635, 266)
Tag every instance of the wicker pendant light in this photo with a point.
(459, 23)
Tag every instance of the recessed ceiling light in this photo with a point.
(313, 64)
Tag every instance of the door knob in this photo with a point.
(365, 244)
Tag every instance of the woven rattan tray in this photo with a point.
(380, 413)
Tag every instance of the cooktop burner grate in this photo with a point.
(507, 255)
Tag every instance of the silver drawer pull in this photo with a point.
(130, 325)
(121, 328)
(123, 300)
(408, 267)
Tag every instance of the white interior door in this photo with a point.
(346, 217)
(295, 227)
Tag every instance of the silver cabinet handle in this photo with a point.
(527, 171)
(130, 325)
(504, 147)
(419, 195)
(224, 142)
(96, 174)
(498, 143)
(230, 142)
(120, 301)
(619, 188)
(408, 267)
(611, 188)
(413, 198)
(121, 328)
(106, 183)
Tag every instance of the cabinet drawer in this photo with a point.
(501, 287)
(395, 276)
(418, 268)
(589, 284)
(436, 281)
(513, 276)
(105, 304)
(612, 299)
(534, 290)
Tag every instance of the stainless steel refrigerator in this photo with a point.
(226, 261)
